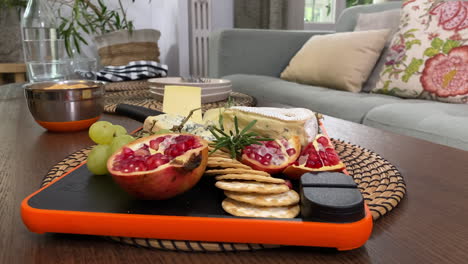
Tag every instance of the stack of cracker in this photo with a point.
(250, 192)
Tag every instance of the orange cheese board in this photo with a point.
(333, 212)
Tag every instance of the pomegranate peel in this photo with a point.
(272, 156)
(160, 166)
(317, 156)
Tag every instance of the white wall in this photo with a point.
(163, 16)
(222, 14)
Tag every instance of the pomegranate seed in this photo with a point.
(187, 145)
(265, 162)
(333, 158)
(268, 157)
(289, 184)
(181, 147)
(247, 150)
(159, 162)
(330, 150)
(284, 142)
(322, 154)
(314, 156)
(314, 164)
(318, 164)
(182, 138)
(252, 155)
(323, 141)
(175, 152)
(258, 157)
(127, 152)
(291, 151)
(151, 162)
(296, 163)
(272, 144)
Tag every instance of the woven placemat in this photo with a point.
(380, 183)
(137, 93)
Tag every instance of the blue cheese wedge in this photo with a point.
(274, 122)
(168, 121)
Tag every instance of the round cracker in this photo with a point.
(290, 197)
(219, 159)
(250, 177)
(227, 165)
(236, 171)
(252, 187)
(244, 209)
(220, 155)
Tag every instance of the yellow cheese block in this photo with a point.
(180, 100)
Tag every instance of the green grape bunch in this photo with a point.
(109, 138)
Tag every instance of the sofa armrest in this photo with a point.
(254, 51)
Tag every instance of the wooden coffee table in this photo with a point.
(429, 226)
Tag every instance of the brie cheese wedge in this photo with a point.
(274, 122)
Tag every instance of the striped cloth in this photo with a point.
(135, 70)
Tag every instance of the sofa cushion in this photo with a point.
(389, 19)
(428, 56)
(345, 105)
(441, 123)
(348, 18)
(357, 54)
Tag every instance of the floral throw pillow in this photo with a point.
(428, 56)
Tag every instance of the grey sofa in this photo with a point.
(253, 60)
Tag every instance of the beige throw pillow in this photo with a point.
(341, 61)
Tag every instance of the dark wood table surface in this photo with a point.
(429, 226)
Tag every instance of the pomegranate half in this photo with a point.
(160, 166)
(319, 155)
(272, 156)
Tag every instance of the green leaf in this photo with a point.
(386, 85)
(408, 35)
(249, 126)
(236, 125)
(437, 43)
(76, 42)
(413, 68)
(431, 52)
(411, 30)
(410, 44)
(388, 69)
(449, 45)
(83, 27)
(394, 91)
(81, 38)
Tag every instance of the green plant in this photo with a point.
(350, 3)
(13, 3)
(92, 18)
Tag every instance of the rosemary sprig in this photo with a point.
(235, 141)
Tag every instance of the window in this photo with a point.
(319, 11)
(322, 14)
